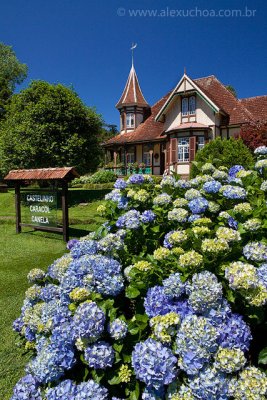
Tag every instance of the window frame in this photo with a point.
(186, 102)
(184, 147)
(130, 120)
(200, 146)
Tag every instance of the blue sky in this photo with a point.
(86, 43)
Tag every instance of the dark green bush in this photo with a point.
(223, 152)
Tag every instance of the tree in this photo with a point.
(231, 90)
(254, 134)
(223, 152)
(12, 72)
(49, 126)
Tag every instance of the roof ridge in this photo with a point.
(252, 97)
(205, 77)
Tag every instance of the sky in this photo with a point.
(86, 44)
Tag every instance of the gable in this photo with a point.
(185, 86)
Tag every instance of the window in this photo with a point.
(183, 149)
(130, 158)
(147, 155)
(185, 106)
(131, 155)
(130, 120)
(189, 105)
(200, 142)
(192, 105)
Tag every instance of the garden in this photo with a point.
(165, 300)
(21, 253)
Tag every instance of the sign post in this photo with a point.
(40, 205)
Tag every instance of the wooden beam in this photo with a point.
(17, 207)
(65, 211)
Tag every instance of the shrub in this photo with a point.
(101, 176)
(223, 152)
(166, 300)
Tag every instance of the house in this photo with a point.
(167, 135)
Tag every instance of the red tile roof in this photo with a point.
(149, 130)
(257, 106)
(68, 173)
(132, 94)
(224, 99)
(237, 111)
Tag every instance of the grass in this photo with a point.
(18, 255)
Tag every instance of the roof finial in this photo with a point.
(134, 45)
(184, 70)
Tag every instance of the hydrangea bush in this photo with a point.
(166, 300)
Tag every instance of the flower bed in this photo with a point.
(165, 301)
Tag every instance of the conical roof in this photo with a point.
(132, 94)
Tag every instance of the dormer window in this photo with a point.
(130, 120)
(189, 105)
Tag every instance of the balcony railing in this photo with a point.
(122, 171)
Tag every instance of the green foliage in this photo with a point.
(99, 177)
(231, 90)
(12, 72)
(223, 152)
(49, 126)
(102, 176)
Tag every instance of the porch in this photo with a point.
(145, 158)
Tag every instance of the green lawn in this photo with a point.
(18, 255)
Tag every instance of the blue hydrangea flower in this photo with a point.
(205, 292)
(65, 390)
(166, 242)
(153, 363)
(84, 247)
(262, 274)
(91, 390)
(148, 216)
(116, 196)
(195, 343)
(118, 329)
(50, 292)
(156, 302)
(89, 322)
(27, 388)
(181, 307)
(235, 333)
(198, 205)
(99, 355)
(234, 192)
(120, 184)
(212, 186)
(255, 251)
(173, 286)
(182, 184)
(234, 170)
(210, 384)
(130, 220)
(153, 394)
(71, 243)
(136, 179)
(51, 362)
(18, 324)
(194, 217)
(232, 223)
